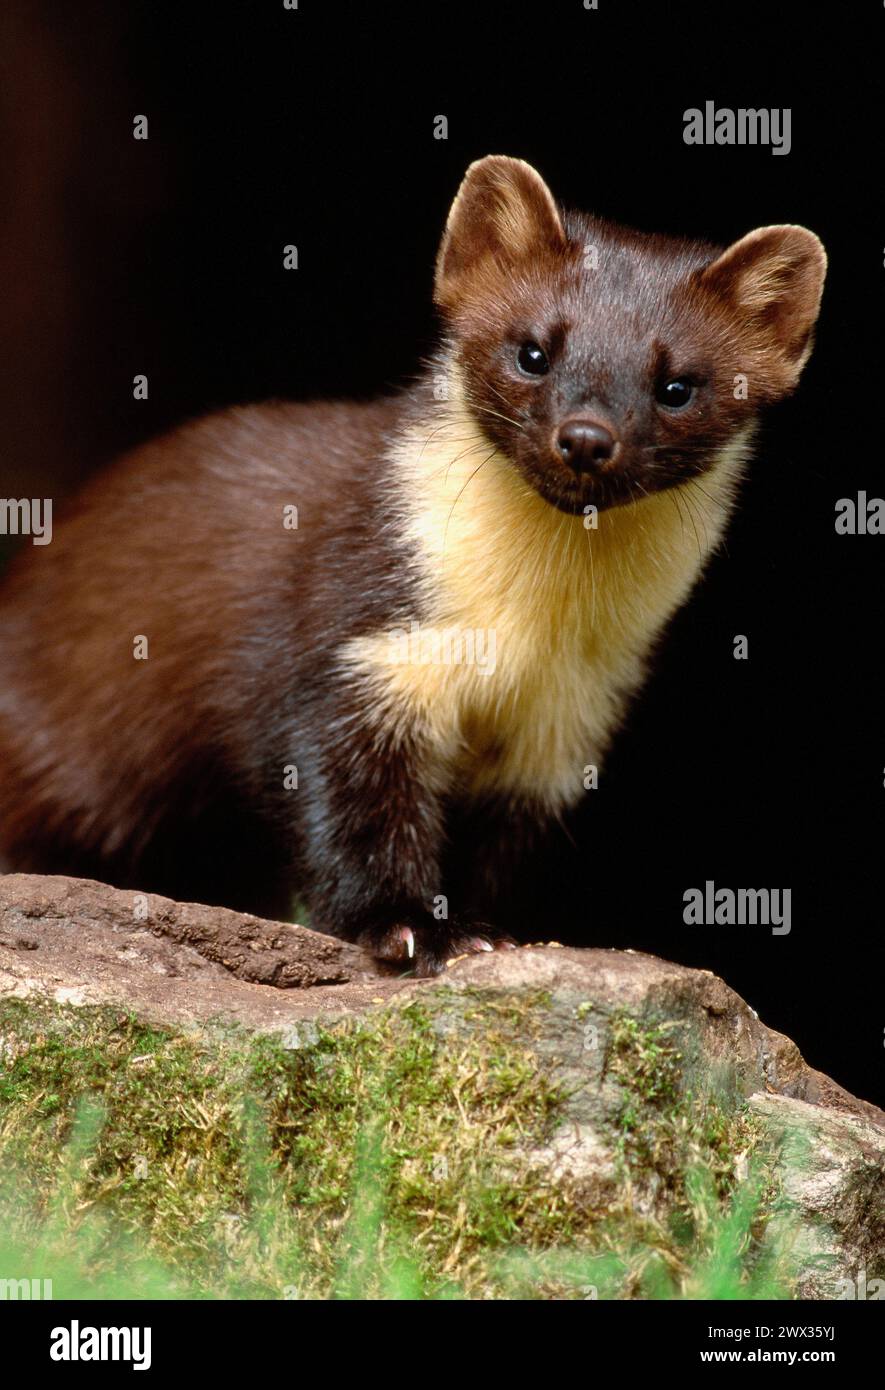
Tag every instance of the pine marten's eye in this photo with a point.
(532, 360)
(675, 393)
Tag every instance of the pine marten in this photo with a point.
(282, 649)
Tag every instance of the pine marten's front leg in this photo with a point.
(372, 833)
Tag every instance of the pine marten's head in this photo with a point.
(605, 363)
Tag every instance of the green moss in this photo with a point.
(702, 1168)
(388, 1157)
(242, 1160)
(665, 1126)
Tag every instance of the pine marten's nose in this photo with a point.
(585, 444)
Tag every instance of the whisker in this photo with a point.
(435, 431)
(693, 482)
(674, 497)
(486, 411)
(476, 446)
(461, 492)
(691, 517)
(492, 387)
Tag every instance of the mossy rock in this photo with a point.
(542, 1124)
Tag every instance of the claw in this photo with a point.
(407, 937)
(479, 943)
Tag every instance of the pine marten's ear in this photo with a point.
(772, 281)
(503, 213)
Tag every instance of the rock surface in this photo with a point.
(80, 942)
(833, 1174)
(173, 965)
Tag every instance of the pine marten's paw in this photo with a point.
(425, 948)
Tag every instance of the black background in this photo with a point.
(315, 127)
